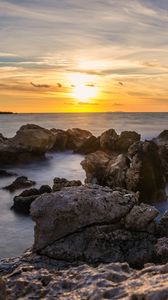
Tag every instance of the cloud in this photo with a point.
(40, 85)
(88, 103)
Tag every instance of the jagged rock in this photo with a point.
(43, 278)
(141, 170)
(60, 183)
(61, 139)
(23, 201)
(162, 142)
(77, 138)
(95, 165)
(19, 183)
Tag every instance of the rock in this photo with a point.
(92, 144)
(48, 280)
(65, 212)
(60, 183)
(141, 218)
(23, 201)
(163, 225)
(33, 138)
(139, 170)
(126, 139)
(161, 249)
(30, 142)
(146, 173)
(94, 224)
(2, 289)
(95, 165)
(162, 142)
(20, 183)
(60, 139)
(77, 138)
(5, 173)
(108, 140)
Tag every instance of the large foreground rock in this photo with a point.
(94, 224)
(35, 277)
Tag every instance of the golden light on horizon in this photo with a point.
(83, 89)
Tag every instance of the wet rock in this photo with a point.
(23, 201)
(5, 173)
(60, 139)
(77, 138)
(20, 183)
(60, 183)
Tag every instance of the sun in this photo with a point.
(83, 89)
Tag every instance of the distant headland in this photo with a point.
(6, 112)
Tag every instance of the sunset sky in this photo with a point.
(83, 55)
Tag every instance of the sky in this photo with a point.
(83, 55)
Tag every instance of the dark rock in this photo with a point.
(126, 139)
(61, 139)
(20, 183)
(163, 225)
(161, 249)
(60, 183)
(5, 173)
(77, 138)
(23, 201)
(108, 140)
(3, 294)
(141, 170)
(92, 144)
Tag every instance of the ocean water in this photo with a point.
(16, 230)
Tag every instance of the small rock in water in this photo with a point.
(19, 183)
(4, 173)
(60, 183)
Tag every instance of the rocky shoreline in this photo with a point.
(98, 240)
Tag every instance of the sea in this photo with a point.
(16, 230)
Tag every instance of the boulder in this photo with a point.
(19, 183)
(60, 183)
(126, 139)
(96, 225)
(108, 140)
(3, 293)
(23, 201)
(163, 225)
(92, 144)
(33, 139)
(162, 143)
(95, 165)
(77, 138)
(30, 143)
(72, 209)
